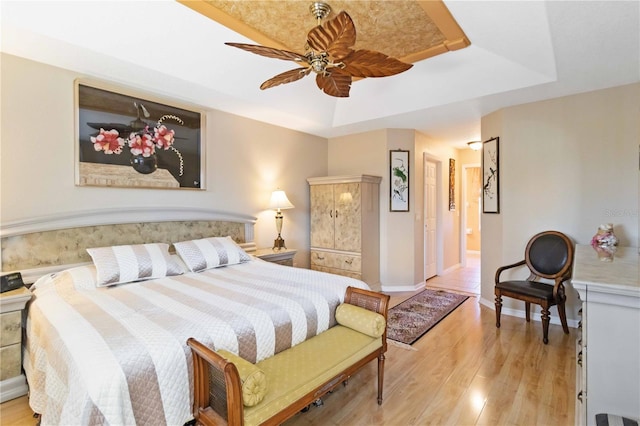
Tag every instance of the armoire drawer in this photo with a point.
(356, 275)
(336, 261)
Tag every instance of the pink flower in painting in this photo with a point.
(143, 141)
(142, 144)
(109, 142)
(163, 137)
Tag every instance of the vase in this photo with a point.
(604, 236)
(144, 165)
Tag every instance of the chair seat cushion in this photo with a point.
(528, 288)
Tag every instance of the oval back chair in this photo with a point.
(548, 255)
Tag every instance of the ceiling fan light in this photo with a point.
(475, 145)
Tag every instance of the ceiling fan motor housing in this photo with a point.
(319, 10)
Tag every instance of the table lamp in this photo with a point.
(279, 201)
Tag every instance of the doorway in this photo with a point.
(430, 219)
(471, 213)
(432, 216)
(465, 278)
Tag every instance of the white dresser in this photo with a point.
(608, 350)
(345, 226)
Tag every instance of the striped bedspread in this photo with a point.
(118, 355)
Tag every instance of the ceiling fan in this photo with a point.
(329, 54)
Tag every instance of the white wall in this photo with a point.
(245, 161)
(567, 164)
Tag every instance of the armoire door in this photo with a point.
(348, 217)
(322, 216)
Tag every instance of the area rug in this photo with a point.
(411, 319)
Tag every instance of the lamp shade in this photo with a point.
(279, 201)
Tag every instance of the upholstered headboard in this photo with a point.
(44, 245)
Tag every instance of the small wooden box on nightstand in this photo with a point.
(12, 382)
(283, 256)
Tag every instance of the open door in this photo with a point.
(430, 219)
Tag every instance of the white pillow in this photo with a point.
(128, 263)
(208, 253)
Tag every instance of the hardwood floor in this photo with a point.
(462, 372)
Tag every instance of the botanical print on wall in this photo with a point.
(490, 176)
(399, 181)
(452, 184)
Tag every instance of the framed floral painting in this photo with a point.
(128, 139)
(399, 181)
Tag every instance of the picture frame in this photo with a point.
(399, 180)
(452, 184)
(491, 175)
(129, 139)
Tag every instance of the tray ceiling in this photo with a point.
(407, 30)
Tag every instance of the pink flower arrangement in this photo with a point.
(143, 142)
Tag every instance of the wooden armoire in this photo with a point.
(345, 226)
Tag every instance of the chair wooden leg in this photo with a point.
(563, 317)
(380, 377)
(498, 308)
(527, 309)
(545, 324)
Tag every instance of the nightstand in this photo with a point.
(282, 256)
(12, 382)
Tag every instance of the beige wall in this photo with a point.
(402, 233)
(245, 161)
(567, 164)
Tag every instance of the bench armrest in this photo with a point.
(371, 300)
(207, 362)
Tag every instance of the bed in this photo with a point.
(116, 353)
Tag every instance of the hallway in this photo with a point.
(462, 280)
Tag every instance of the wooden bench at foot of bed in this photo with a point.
(295, 377)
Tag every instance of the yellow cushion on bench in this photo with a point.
(360, 319)
(298, 370)
(254, 381)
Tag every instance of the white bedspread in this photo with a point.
(118, 355)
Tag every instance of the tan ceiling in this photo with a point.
(408, 30)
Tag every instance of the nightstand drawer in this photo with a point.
(281, 257)
(345, 262)
(10, 361)
(10, 328)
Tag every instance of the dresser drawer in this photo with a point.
(344, 262)
(10, 328)
(10, 361)
(356, 275)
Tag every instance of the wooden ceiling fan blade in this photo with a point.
(270, 52)
(369, 63)
(286, 77)
(336, 36)
(335, 84)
